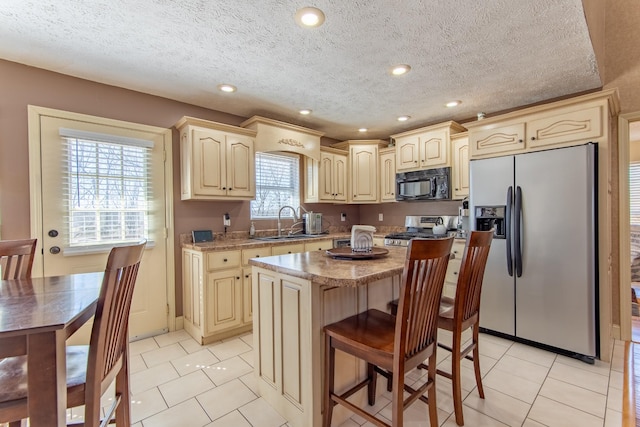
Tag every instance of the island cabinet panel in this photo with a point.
(283, 334)
(265, 334)
(290, 313)
(292, 322)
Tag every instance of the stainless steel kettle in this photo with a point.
(312, 223)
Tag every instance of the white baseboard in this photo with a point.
(179, 323)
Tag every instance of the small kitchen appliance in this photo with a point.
(421, 226)
(312, 223)
(427, 184)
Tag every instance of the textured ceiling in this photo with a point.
(492, 55)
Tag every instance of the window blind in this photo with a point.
(634, 192)
(277, 185)
(106, 188)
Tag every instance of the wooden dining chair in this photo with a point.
(90, 369)
(16, 258)
(393, 345)
(463, 312)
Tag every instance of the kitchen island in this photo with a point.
(294, 296)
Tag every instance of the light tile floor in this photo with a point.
(176, 382)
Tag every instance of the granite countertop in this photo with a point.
(245, 243)
(324, 270)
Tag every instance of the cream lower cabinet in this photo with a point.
(318, 245)
(214, 295)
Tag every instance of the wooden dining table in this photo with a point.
(37, 315)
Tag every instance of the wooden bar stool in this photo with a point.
(463, 312)
(394, 344)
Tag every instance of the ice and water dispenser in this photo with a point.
(488, 217)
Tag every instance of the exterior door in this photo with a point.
(86, 202)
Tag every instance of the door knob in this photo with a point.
(54, 250)
(53, 233)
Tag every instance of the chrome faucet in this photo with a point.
(295, 218)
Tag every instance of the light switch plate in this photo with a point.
(380, 217)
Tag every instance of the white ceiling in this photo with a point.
(492, 55)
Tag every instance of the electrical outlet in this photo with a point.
(343, 217)
(380, 217)
(226, 220)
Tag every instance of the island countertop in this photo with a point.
(324, 270)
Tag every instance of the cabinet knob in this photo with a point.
(237, 277)
(533, 138)
(246, 275)
(520, 141)
(415, 161)
(224, 188)
(224, 260)
(257, 256)
(230, 188)
(289, 252)
(455, 272)
(456, 189)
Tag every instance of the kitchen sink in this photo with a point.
(288, 237)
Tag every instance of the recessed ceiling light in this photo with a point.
(227, 88)
(452, 104)
(398, 70)
(403, 118)
(309, 17)
(305, 112)
(363, 130)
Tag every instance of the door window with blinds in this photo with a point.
(107, 189)
(277, 185)
(634, 193)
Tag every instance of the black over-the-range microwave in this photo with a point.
(427, 184)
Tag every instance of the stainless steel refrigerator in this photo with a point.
(541, 276)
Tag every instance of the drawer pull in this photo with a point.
(246, 275)
(224, 260)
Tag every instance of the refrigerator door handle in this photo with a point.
(507, 230)
(518, 231)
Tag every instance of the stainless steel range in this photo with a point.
(420, 226)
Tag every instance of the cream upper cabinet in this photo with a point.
(388, 175)
(460, 166)
(362, 172)
(554, 125)
(326, 180)
(363, 160)
(332, 176)
(217, 161)
(425, 148)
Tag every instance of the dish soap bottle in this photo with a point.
(252, 230)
